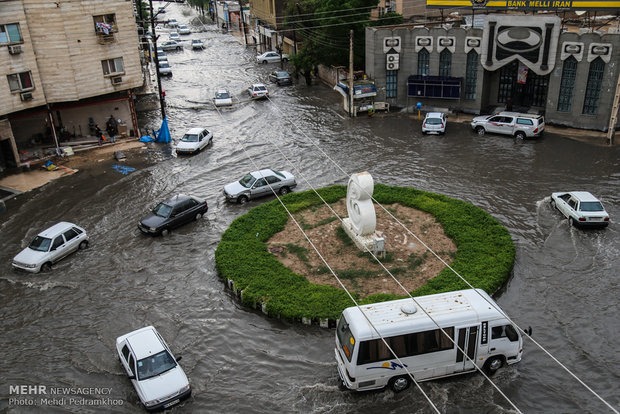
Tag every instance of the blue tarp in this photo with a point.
(146, 138)
(123, 169)
(163, 135)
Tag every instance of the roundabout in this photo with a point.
(265, 260)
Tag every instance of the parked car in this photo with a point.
(510, 123)
(161, 9)
(258, 91)
(194, 140)
(434, 123)
(581, 208)
(50, 246)
(172, 213)
(162, 57)
(174, 36)
(254, 185)
(173, 23)
(197, 44)
(153, 370)
(171, 45)
(184, 30)
(271, 57)
(281, 77)
(222, 98)
(164, 68)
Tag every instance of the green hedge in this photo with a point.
(485, 253)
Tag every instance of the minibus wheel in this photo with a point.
(493, 364)
(398, 384)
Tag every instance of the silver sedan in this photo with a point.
(258, 184)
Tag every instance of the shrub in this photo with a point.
(485, 254)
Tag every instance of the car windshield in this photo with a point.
(196, 41)
(260, 88)
(41, 244)
(164, 65)
(222, 95)
(282, 74)
(155, 365)
(247, 181)
(162, 210)
(190, 138)
(590, 206)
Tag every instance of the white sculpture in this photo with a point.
(359, 204)
(362, 220)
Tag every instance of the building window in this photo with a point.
(507, 80)
(105, 24)
(423, 62)
(471, 75)
(445, 63)
(9, 33)
(391, 82)
(593, 90)
(567, 84)
(19, 82)
(112, 67)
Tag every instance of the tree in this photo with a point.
(324, 26)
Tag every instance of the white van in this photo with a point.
(470, 317)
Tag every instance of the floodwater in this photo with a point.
(59, 328)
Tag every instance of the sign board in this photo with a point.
(612, 5)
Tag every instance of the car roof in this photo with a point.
(583, 196)
(174, 200)
(262, 173)
(144, 342)
(519, 114)
(435, 115)
(258, 84)
(56, 228)
(194, 131)
(222, 91)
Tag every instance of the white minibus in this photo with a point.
(470, 317)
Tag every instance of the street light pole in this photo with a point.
(162, 103)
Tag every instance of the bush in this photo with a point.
(485, 254)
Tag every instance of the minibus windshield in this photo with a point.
(345, 337)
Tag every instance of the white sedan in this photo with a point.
(581, 208)
(271, 57)
(194, 140)
(258, 91)
(50, 246)
(154, 372)
(184, 30)
(222, 98)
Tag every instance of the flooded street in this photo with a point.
(59, 328)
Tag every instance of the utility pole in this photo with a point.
(215, 9)
(351, 114)
(245, 39)
(162, 104)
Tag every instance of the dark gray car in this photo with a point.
(172, 213)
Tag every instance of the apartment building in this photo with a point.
(64, 66)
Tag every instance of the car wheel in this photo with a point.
(284, 190)
(398, 384)
(264, 62)
(198, 216)
(165, 232)
(493, 364)
(520, 135)
(46, 267)
(179, 48)
(210, 141)
(571, 222)
(480, 130)
(242, 199)
(84, 245)
(284, 60)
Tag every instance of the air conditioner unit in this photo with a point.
(116, 80)
(26, 96)
(392, 61)
(15, 49)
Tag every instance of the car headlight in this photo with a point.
(182, 390)
(152, 228)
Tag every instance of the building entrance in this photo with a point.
(532, 93)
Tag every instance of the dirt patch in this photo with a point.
(407, 258)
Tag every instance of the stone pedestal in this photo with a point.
(364, 243)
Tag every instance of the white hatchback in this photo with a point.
(50, 246)
(434, 123)
(194, 140)
(222, 98)
(152, 368)
(258, 91)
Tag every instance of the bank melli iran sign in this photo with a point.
(527, 4)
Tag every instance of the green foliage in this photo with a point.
(299, 251)
(343, 236)
(485, 253)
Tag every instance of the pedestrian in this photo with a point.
(509, 104)
(99, 134)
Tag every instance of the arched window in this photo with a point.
(445, 63)
(593, 90)
(423, 62)
(567, 84)
(471, 75)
